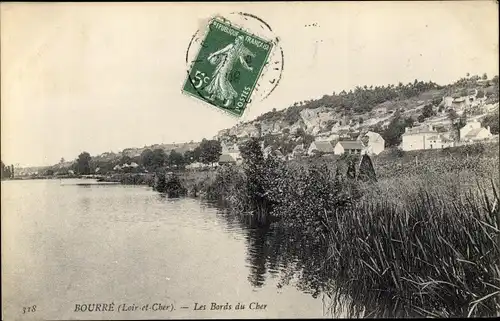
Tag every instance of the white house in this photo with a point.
(374, 143)
(233, 151)
(448, 101)
(418, 138)
(324, 147)
(354, 147)
(473, 131)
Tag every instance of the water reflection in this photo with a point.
(274, 251)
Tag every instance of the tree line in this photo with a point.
(208, 152)
(7, 171)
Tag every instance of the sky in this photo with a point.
(101, 77)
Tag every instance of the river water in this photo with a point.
(65, 245)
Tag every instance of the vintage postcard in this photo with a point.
(258, 160)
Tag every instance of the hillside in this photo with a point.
(345, 114)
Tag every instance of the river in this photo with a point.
(65, 245)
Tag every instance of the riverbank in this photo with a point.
(422, 241)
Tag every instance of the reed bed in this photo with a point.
(430, 257)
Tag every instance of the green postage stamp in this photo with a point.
(227, 67)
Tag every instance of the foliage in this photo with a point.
(366, 170)
(174, 188)
(428, 258)
(210, 151)
(158, 158)
(428, 111)
(176, 159)
(396, 128)
(192, 156)
(147, 158)
(7, 171)
(492, 121)
(82, 165)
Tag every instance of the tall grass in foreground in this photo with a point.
(431, 257)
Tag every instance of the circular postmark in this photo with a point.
(233, 61)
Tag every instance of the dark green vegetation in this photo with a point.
(422, 241)
(7, 171)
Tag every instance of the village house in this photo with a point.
(422, 137)
(472, 131)
(448, 101)
(324, 147)
(438, 141)
(226, 159)
(354, 147)
(233, 151)
(460, 103)
(374, 143)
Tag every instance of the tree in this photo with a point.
(210, 151)
(485, 76)
(428, 111)
(125, 160)
(176, 159)
(146, 158)
(82, 165)
(190, 157)
(6, 171)
(158, 158)
(452, 115)
(396, 128)
(492, 121)
(366, 170)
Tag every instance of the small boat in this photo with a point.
(89, 183)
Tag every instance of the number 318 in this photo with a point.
(29, 309)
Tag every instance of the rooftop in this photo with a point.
(473, 132)
(351, 144)
(225, 158)
(324, 146)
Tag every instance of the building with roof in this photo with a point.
(373, 142)
(324, 147)
(226, 159)
(232, 150)
(418, 138)
(354, 147)
(472, 131)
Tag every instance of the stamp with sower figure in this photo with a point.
(227, 67)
